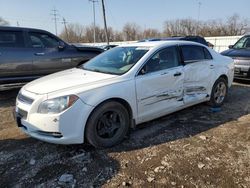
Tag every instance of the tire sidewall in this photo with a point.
(91, 127)
(212, 101)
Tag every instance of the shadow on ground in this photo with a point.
(95, 167)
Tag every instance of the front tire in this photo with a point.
(219, 93)
(107, 125)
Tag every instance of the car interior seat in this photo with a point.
(153, 65)
(167, 59)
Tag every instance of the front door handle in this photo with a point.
(39, 54)
(177, 74)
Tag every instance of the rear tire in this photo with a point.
(107, 125)
(219, 93)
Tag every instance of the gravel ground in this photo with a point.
(191, 148)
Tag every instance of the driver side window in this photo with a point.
(42, 40)
(164, 59)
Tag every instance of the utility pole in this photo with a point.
(198, 18)
(94, 1)
(65, 27)
(55, 17)
(199, 10)
(105, 23)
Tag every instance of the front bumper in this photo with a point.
(64, 128)
(242, 72)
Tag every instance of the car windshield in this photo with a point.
(116, 61)
(243, 43)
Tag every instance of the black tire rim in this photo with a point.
(109, 124)
(220, 92)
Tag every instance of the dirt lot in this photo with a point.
(192, 148)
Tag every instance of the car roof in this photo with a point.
(155, 44)
(12, 28)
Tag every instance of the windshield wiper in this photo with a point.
(100, 71)
(105, 72)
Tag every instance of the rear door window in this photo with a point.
(192, 53)
(11, 39)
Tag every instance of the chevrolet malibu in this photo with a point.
(100, 101)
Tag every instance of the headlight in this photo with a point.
(57, 105)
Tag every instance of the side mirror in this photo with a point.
(61, 45)
(230, 46)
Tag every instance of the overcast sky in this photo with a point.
(146, 13)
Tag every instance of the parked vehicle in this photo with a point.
(120, 88)
(198, 39)
(240, 52)
(27, 54)
(108, 47)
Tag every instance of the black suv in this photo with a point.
(198, 39)
(240, 52)
(26, 54)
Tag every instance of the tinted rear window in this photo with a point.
(195, 53)
(13, 39)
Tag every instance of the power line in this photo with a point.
(55, 17)
(199, 10)
(198, 18)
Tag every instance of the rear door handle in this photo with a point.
(211, 66)
(177, 74)
(39, 54)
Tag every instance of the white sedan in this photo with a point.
(125, 86)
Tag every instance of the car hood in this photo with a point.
(67, 79)
(85, 48)
(244, 53)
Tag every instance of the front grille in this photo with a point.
(24, 99)
(238, 61)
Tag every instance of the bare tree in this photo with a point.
(151, 33)
(118, 36)
(180, 27)
(76, 33)
(131, 31)
(3, 22)
(236, 25)
(233, 26)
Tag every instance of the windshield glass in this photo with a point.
(117, 60)
(243, 43)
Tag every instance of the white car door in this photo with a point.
(159, 85)
(198, 71)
